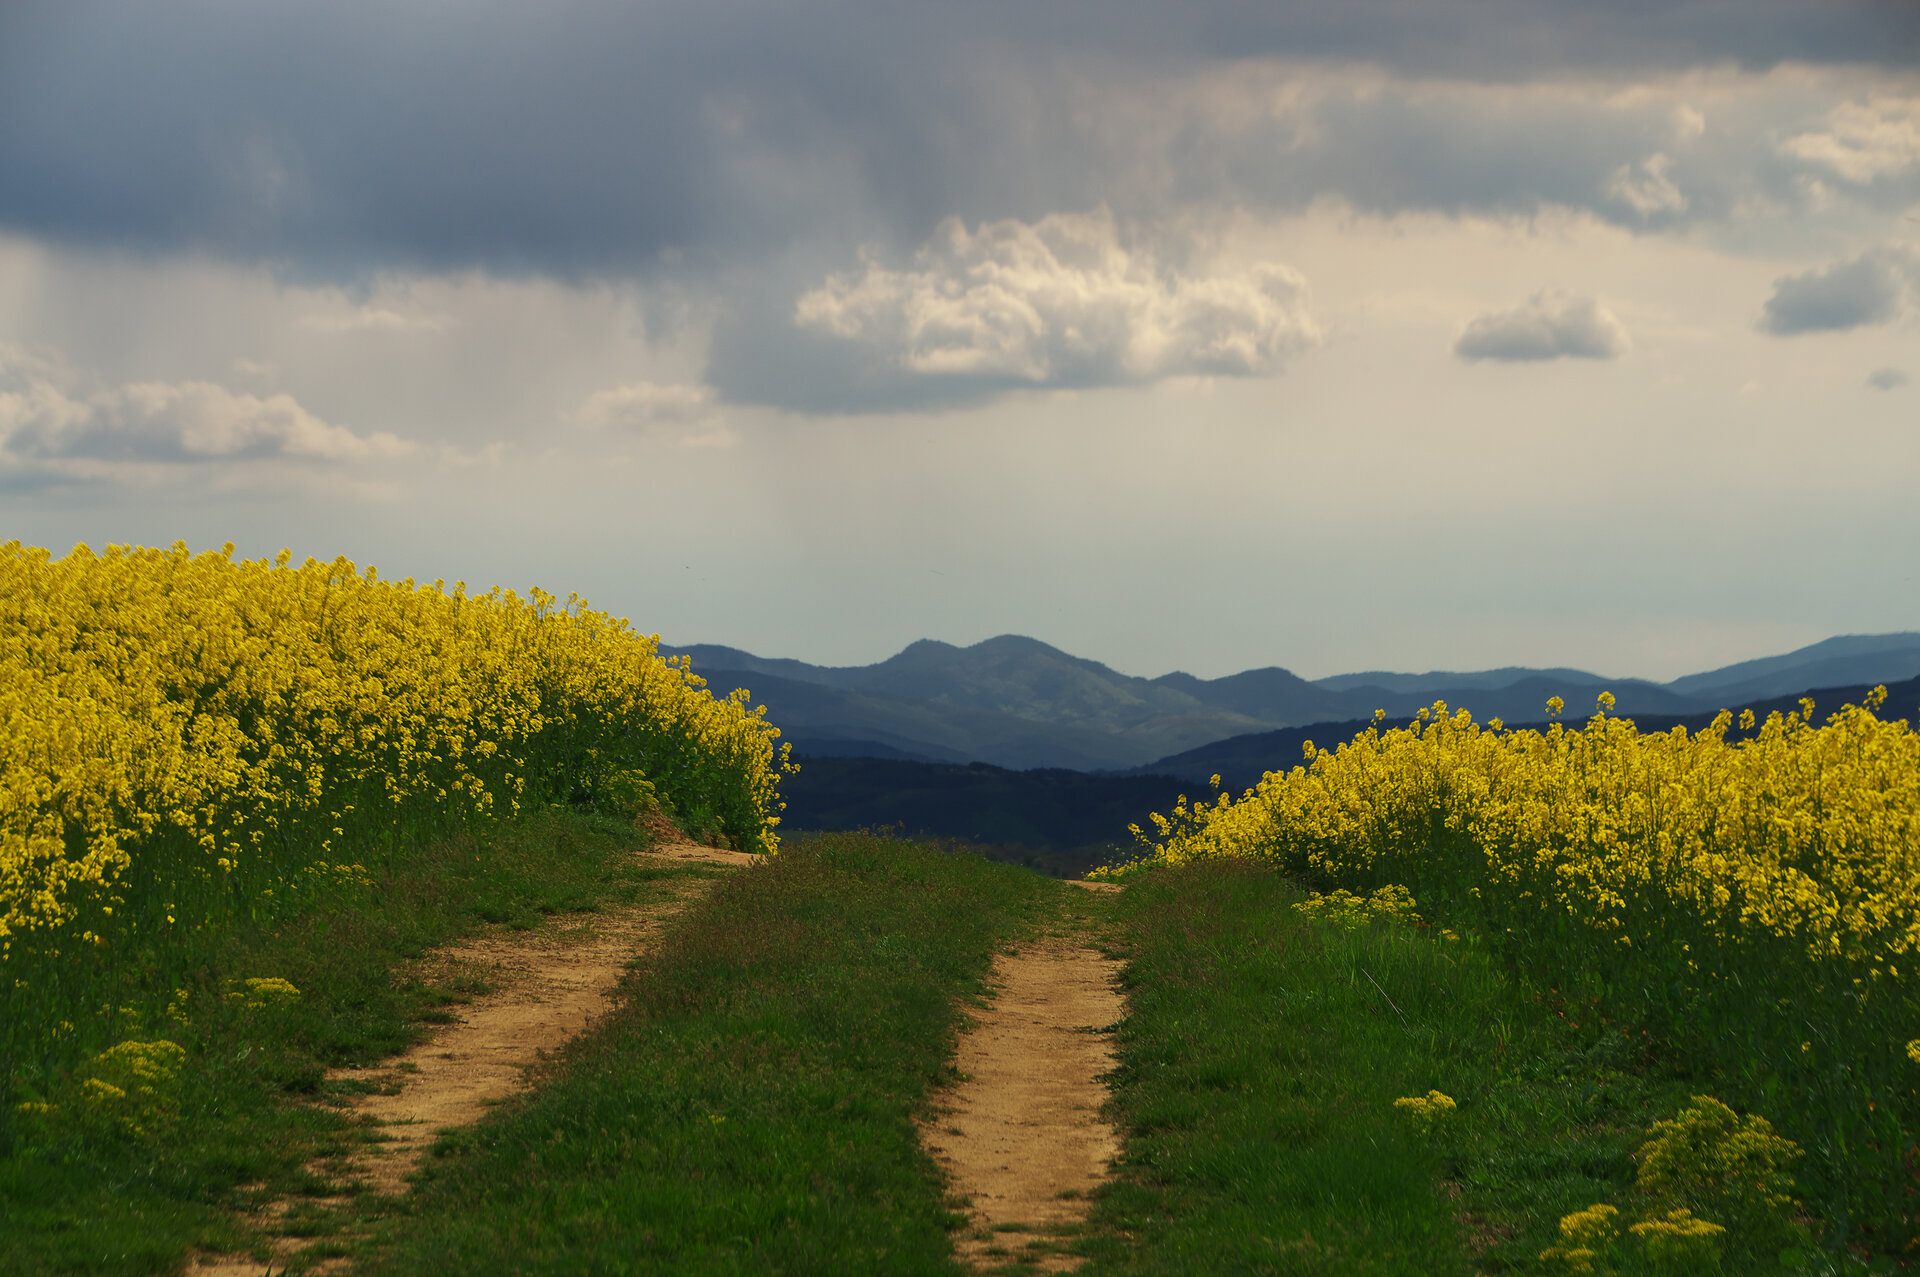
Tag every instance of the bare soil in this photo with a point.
(1021, 1136)
(547, 986)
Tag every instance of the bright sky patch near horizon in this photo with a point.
(1403, 334)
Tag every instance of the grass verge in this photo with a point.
(133, 1188)
(1259, 1069)
(749, 1105)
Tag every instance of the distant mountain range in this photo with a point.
(1017, 703)
(1064, 822)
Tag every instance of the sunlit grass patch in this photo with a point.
(1304, 1093)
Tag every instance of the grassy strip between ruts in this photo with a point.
(749, 1105)
(96, 1197)
(1259, 1069)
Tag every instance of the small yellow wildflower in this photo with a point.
(1585, 1237)
(263, 991)
(1426, 1112)
(1679, 1238)
(1347, 910)
(1708, 1151)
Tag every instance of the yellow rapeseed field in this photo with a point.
(185, 738)
(1753, 902)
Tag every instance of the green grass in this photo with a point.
(249, 1111)
(749, 1106)
(1259, 1067)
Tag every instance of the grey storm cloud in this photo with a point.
(749, 151)
(1887, 378)
(1550, 326)
(587, 136)
(1868, 289)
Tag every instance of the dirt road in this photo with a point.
(1022, 1136)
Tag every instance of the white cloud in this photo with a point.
(1062, 301)
(1551, 325)
(1646, 188)
(1863, 141)
(51, 429)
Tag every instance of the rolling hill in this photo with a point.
(1018, 703)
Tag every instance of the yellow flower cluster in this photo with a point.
(258, 992)
(1802, 831)
(1710, 1156)
(1344, 909)
(1425, 1113)
(1707, 1156)
(1753, 899)
(1678, 1240)
(139, 1081)
(155, 695)
(1585, 1236)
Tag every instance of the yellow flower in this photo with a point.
(231, 729)
(267, 991)
(1585, 1236)
(1428, 1112)
(1679, 1238)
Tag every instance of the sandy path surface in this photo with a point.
(1022, 1135)
(547, 985)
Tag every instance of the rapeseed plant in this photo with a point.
(191, 740)
(1426, 1113)
(1755, 903)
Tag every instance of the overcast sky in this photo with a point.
(1402, 334)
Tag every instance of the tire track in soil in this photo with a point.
(1021, 1136)
(548, 986)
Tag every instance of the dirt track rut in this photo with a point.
(547, 986)
(1021, 1136)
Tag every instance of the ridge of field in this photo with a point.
(751, 1104)
(191, 744)
(1018, 703)
(1752, 904)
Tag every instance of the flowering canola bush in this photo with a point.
(185, 739)
(1754, 902)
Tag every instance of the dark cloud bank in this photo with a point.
(755, 147)
(588, 136)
